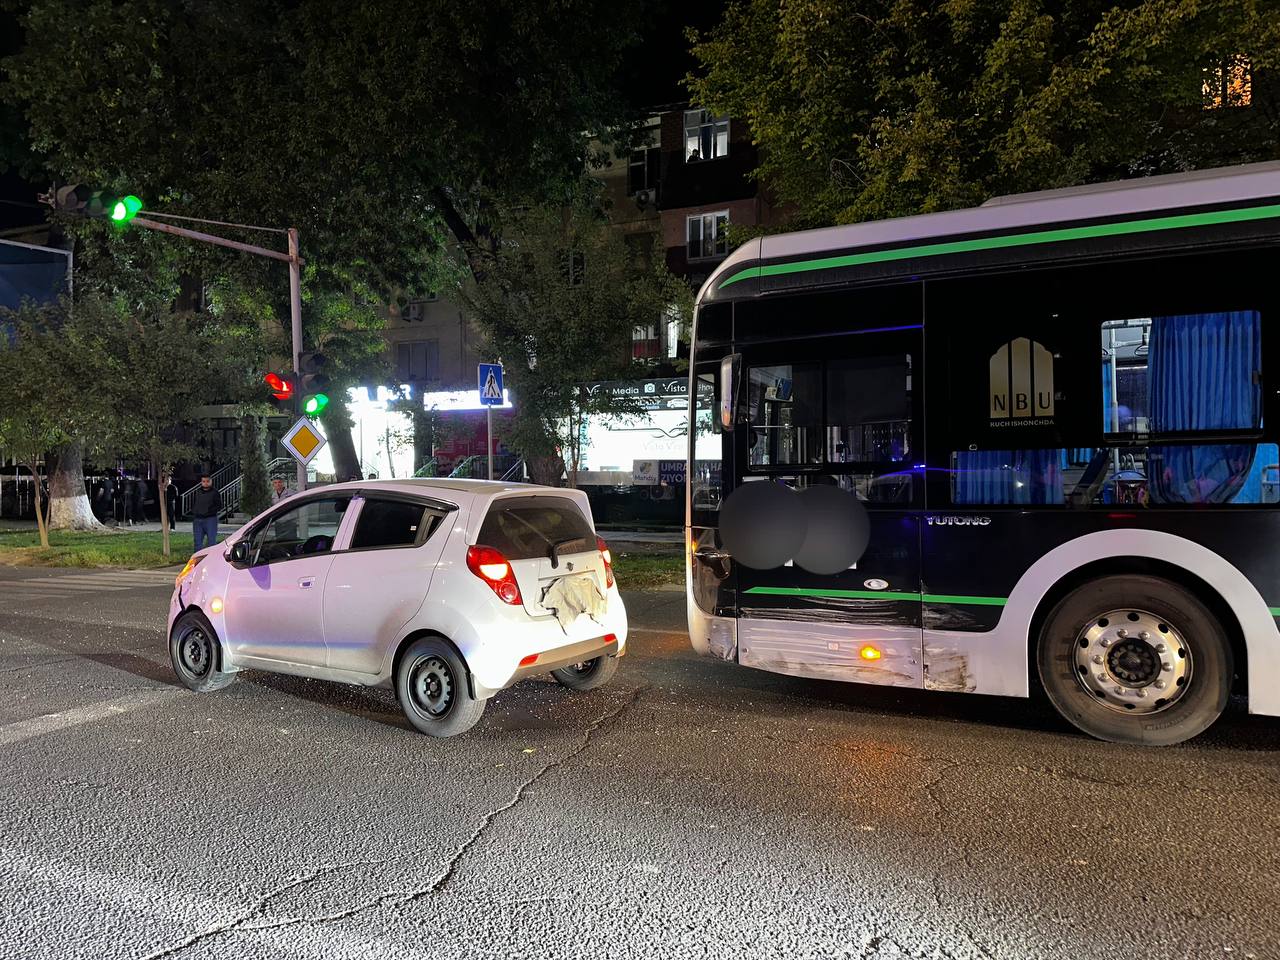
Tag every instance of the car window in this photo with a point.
(523, 528)
(390, 523)
(308, 528)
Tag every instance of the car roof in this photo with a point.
(439, 486)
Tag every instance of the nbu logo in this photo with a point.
(1021, 381)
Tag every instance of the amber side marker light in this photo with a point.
(869, 653)
(216, 604)
(190, 565)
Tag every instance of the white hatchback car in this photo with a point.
(434, 587)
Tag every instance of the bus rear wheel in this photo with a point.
(1135, 659)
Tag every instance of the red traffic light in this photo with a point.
(281, 388)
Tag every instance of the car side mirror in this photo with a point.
(238, 555)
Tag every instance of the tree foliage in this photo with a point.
(120, 379)
(865, 110)
(558, 308)
(373, 127)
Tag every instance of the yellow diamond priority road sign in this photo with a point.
(304, 441)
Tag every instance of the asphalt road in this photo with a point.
(692, 809)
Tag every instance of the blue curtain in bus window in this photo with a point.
(1209, 474)
(1203, 376)
(1202, 372)
(1106, 395)
(1009, 476)
(1078, 457)
(1260, 486)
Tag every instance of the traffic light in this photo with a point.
(282, 390)
(99, 204)
(315, 381)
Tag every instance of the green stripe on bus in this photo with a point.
(1015, 240)
(1275, 611)
(877, 595)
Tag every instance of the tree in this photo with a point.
(50, 399)
(865, 111)
(558, 306)
(255, 485)
(377, 143)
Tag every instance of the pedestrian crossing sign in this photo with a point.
(490, 383)
(304, 440)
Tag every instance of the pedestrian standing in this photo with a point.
(206, 505)
(278, 490)
(171, 495)
(140, 499)
(127, 499)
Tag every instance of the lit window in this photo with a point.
(645, 344)
(705, 136)
(708, 235)
(1227, 84)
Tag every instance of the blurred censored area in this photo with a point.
(822, 529)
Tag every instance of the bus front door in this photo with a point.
(841, 413)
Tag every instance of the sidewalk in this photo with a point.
(184, 526)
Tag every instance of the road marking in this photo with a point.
(52, 722)
(71, 586)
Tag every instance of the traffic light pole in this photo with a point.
(295, 321)
(295, 285)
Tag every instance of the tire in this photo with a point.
(194, 652)
(588, 675)
(434, 690)
(1135, 659)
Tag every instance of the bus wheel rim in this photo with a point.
(1133, 661)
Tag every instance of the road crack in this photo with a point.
(397, 899)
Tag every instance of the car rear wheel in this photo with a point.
(587, 675)
(1135, 660)
(193, 648)
(433, 690)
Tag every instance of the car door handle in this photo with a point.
(306, 581)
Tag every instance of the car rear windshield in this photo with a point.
(524, 528)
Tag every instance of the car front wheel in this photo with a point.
(193, 648)
(433, 690)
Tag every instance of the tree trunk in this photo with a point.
(40, 524)
(68, 503)
(255, 484)
(547, 471)
(163, 497)
(337, 426)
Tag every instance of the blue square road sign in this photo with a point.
(490, 383)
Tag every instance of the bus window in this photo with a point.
(785, 404)
(869, 409)
(1218, 474)
(708, 446)
(1177, 374)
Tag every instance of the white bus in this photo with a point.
(1059, 413)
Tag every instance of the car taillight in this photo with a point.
(607, 557)
(492, 567)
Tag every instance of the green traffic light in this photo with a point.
(314, 405)
(126, 209)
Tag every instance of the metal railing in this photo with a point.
(230, 491)
(219, 478)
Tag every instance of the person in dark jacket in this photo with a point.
(206, 504)
(127, 499)
(140, 500)
(171, 498)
